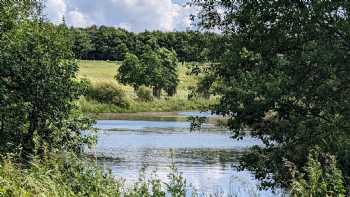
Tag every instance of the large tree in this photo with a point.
(38, 83)
(285, 76)
(154, 68)
(131, 72)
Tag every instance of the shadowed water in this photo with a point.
(206, 158)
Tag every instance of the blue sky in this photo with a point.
(133, 15)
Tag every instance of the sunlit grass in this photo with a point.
(161, 105)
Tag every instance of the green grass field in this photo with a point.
(98, 71)
(103, 71)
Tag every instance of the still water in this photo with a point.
(206, 159)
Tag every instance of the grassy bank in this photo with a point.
(104, 72)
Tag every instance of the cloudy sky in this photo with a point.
(133, 15)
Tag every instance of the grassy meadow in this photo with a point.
(105, 72)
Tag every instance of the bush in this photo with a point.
(57, 175)
(109, 93)
(321, 178)
(144, 94)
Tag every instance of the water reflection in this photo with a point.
(206, 159)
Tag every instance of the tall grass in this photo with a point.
(66, 175)
(61, 175)
(159, 105)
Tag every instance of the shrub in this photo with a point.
(321, 178)
(57, 175)
(109, 93)
(144, 93)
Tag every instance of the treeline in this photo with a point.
(109, 43)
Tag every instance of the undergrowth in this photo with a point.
(66, 175)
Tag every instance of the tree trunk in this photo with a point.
(206, 95)
(28, 141)
(2, 122)
(171, 91)
(136, 88)
(156, 91)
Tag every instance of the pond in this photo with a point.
(205, 158)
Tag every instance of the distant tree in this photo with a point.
(156, 69)
(110, 44)
(131, 72)
(154, 72)
(170, 76)
(82, 45)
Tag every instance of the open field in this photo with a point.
(98, 71)
(103, 71)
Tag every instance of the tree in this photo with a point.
(157, 69)
(131, 72)
(38, 84)
(110, 43)
(154, 74)
(161, 71)
(169, 63)
(82, 43)
(284, 75)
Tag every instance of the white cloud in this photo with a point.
(55, 10)
(134, 15)
(78, 19)
(149, 14)
(126, 26)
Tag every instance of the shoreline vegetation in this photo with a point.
(66, 174)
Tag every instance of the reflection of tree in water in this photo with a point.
(208, 156)
(197, 122)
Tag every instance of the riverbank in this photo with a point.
(158, 105)
(162, 116)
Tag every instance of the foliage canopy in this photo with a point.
(38, 84)
(284, 75)
(157, 69)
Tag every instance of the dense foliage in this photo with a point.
(38, 84)
(156, 69)
(108, 43)
(284, 75)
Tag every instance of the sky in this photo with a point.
(133, 15)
